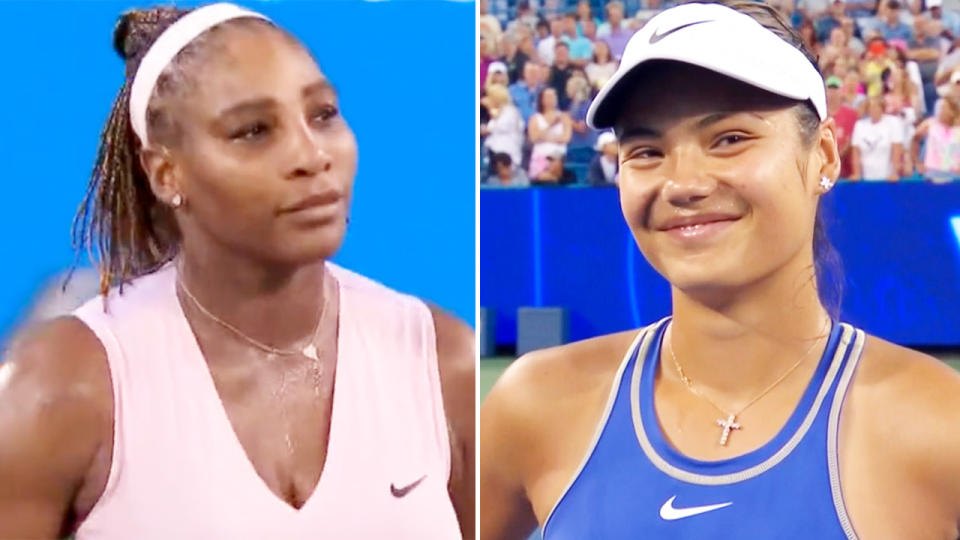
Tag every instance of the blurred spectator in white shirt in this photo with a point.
(504, 130)
(546, 47)
(877, 144)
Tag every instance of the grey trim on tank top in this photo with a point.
(731, 478)
(602, 423)
(833, 434)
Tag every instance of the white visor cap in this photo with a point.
(720, 39)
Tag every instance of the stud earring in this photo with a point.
(176, 201)
(825, 183)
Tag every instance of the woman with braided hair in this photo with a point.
(229, 382)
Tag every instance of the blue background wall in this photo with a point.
(405, 71)
(900, 246)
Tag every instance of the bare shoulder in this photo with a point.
(457, 365)
(455, 343)
(55, 362)
(54, 381)
(566, 370)
(536, 425)
(908, 379)
(456, 362)
(56, 412)
(909, 404)
(549, 388)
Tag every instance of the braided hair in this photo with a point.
(120, 223)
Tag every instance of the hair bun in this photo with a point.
(137, 29)
(122, 34)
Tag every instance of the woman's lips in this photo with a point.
(314, 209)
(697, 228)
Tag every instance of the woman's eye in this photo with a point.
(325, 113)
(250, 131)
(644, 153)
(732, 138)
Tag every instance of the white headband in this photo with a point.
(166, 47)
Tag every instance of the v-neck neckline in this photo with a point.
(212, 397)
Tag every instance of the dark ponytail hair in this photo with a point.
(120, 223)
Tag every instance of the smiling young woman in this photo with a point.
(750, 412)
(229, 382)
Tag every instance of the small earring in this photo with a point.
(826, 183)
(176, 201)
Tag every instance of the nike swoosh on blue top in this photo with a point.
(669, 513)
(656, 36)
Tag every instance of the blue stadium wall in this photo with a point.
(899, 243)
(406, 76)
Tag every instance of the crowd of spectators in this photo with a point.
(892, 72)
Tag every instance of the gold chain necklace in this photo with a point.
(730, 423)
(309, 349)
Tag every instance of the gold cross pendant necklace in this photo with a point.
(730, 423)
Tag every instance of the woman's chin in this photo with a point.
(319, 244)
(706, 279)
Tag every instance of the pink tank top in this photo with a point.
(179, 471)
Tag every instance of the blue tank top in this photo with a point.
(633, 484)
